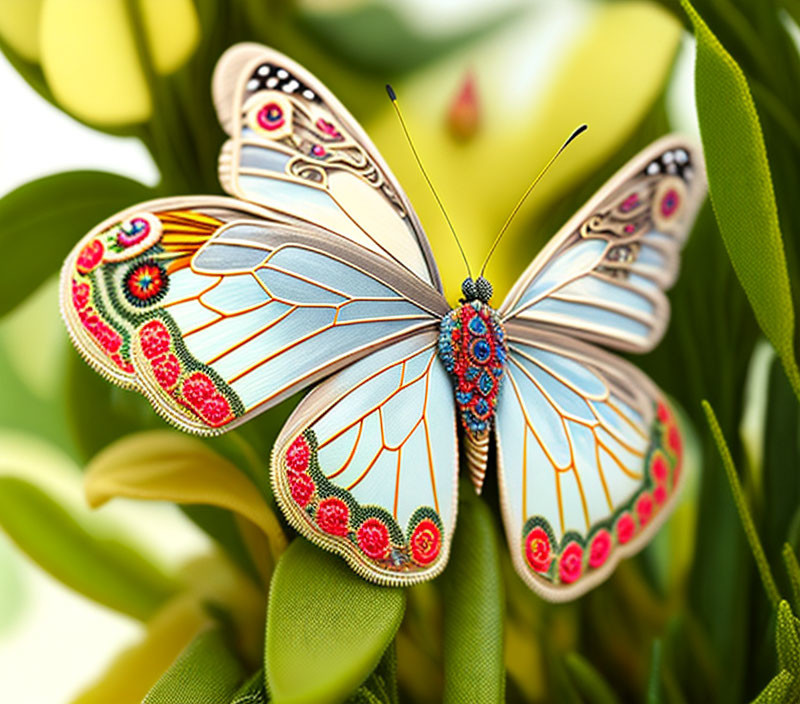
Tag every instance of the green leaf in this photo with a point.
(777, 690)
(741, 190)
(376, 39)
(654, 682)
(781, 458)
(787, 639)
(44, 219)
(327, 628)
(594, 688)
(793, 570)
(474, 669)
(106, 570)
(206, 672)
(741, 506)
(252, 691)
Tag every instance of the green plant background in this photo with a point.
(707, 613)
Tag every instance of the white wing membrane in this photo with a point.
(295, 149)
(589, 460)
(383, 439)
(228, 309)
(603, 276)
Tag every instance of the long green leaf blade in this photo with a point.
(740, 185)
(741, 506)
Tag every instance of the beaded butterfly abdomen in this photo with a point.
(472, 347)
(317, 272)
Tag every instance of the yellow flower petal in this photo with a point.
(19, 26)
(163, 465)
(90, 61)
(172, 30)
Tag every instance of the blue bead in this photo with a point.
(485, 383)
(477, 326)
(481, 350)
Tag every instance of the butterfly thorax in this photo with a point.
(472, 347)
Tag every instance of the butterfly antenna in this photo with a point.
(578, 131)
(393, 98)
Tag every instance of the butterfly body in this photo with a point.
(317, 275)
(473, 349)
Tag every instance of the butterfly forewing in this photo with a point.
(589, 451)
(296, 149)
(367, 464)
(216, 309)
(603, 276)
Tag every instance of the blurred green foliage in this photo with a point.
(691, 619)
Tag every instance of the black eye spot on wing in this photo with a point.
(270, 77)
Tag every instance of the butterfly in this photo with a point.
(317, 272)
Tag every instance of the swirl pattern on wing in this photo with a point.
(603, 276)
(367, 464)
(589, 461)
(295, 149)
(216, 312)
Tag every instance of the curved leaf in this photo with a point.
(206, 672)
(474, 670)
(164, 465)
(44, 219)
(103, 569)
(327, 628)
(741, 190)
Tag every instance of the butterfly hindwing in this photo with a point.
(589, 461)
(216, 309)
(603, 275)
(367, 464)
(589, 451)
(294, 148)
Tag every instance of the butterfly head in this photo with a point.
(476, 290)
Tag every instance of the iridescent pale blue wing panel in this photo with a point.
(294, 148)
(589, 458)
(225, 309)
(367, 464)
(603, 276)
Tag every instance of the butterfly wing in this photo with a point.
(294, 148)
(367, 464)
(589, 451)
(589, 456)
(603, 275)
(216, 309)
